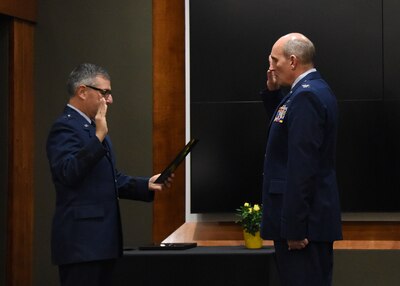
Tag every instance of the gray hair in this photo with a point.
(302, 48)
(85, 74)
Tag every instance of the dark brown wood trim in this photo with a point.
(168, 110)
(21, 142)
(23, 9)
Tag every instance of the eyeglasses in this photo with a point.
(104, 92)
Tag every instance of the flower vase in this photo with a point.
(252, 241)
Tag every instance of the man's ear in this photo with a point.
(81, 92)
(293, 62)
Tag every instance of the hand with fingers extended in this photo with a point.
(101, 120)
(272, 83)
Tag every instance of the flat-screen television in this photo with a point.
(228, 43)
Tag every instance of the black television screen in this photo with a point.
(227, 164)
(230, 41)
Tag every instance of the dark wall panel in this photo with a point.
(388, 196)
(360, 164)
(227, 164)
(391, 43)
(230, 41)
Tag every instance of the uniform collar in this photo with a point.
(80, 112)
(303, 75)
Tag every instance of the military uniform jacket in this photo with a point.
(300, 193)
(86, 223)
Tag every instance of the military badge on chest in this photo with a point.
(280, 115)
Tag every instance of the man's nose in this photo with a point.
(109, 99)
(270, 63)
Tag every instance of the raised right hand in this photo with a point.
(272, 83)
(101, 120)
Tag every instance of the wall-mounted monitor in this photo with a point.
(227, 46)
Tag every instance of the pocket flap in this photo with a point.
(88, 212)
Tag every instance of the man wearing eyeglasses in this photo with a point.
(86, 230)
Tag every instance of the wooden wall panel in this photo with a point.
(23, 9)
(168, 110)
(20, 190)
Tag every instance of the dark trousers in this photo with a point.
(94, 273)
(311, 266)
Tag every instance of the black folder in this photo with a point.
(169, 246)
(176, 162)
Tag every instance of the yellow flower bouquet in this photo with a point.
(250, 217)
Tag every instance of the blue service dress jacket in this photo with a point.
(300, 193)
(86, 223)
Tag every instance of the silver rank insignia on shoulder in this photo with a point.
(305, 85)
(280, 115)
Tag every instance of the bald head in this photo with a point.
(300, 46)
(291, 56)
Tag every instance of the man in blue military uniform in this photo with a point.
(86, 230)
(300, 194)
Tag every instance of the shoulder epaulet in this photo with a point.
(67, 116)
(306, 84)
